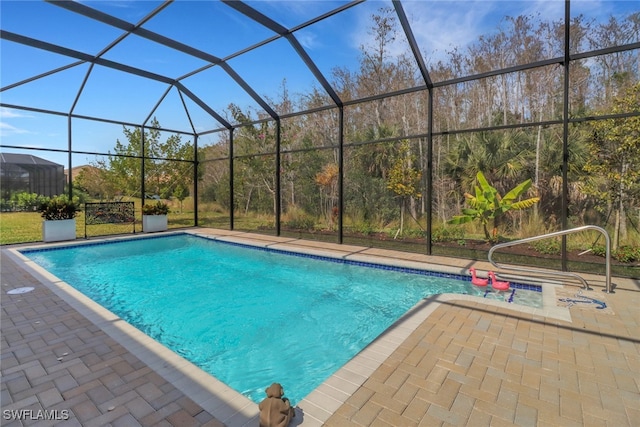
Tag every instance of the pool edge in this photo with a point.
(224, 404)
(204, 389)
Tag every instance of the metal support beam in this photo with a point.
(142, 171)
(196, 167)
(50, 47)
(278, 172)
(70, 158)
(404, 22)
(429, 172)
(565, 133)
(286, 33)
(341, 175)
(165, 41)
(231, 195)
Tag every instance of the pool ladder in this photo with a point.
(607, 288)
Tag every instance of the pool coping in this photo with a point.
(226, 404)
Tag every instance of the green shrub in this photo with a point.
(6, 205)
(25, 201)
(626, 254)
(58, 208)
(547, 246)
(447, 234)
(159, 208)
(301, 223)
(364, 228)
(297, 219)
(415, 232)
(392, 233)
(487, 206)
(599, 250)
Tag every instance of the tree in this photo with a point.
(180, 192)
(614, 162)
(254, 167)
(378, 73)
(404, 179)
(327, 181)
(488, 206)
(96, 181)
(166, 164)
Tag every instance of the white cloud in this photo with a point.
(7, 130)
(547, 9)
(308, 40)
(8, 113)
(441, 26)
(438, 26)
(362, 30)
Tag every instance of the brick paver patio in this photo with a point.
(54, 359)
(469, 365)
(466, 363)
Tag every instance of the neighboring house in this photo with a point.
(24, 172)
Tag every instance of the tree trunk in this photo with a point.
(537, 168)
(323, 205)
(616, 231)
(246, 208)
(402, 208)
(504, 97)
(623, 214)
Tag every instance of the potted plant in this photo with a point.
(59, 215)
(154, 217)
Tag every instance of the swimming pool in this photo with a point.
(249, 317)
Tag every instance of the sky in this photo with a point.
(217, 29)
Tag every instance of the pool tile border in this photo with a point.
(99, 242)
(368, 264)
(231, 407)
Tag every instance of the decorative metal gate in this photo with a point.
(102, 213)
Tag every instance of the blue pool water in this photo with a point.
(247, 316)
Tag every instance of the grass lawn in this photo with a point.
(21, 227)
(26, 227)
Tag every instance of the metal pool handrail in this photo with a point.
(560, 273)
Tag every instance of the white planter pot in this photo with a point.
(153, 223)
(55, 231)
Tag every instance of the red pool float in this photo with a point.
(497, 284)
(477, 280)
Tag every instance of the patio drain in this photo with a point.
(18, 291)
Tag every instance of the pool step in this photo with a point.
(530, 279)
